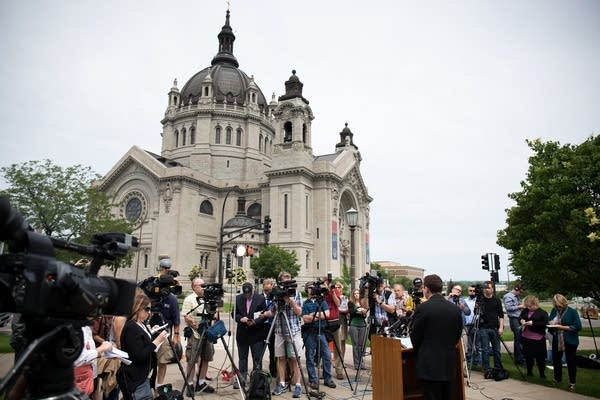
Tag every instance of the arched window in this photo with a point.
(183, 132)
(238, 137)
(287, 132)
(228, 135)
(206, 207)
(218, 135)
(176, 138)
(206, 91)
(175, 101)
(304, 133)
(266, 141)
(260, 146)
(192, 135)
(254, 210)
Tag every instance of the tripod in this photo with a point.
(157, 318)
(284, 323)
(318, 316)
(203, 327)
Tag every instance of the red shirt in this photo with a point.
(334, 311)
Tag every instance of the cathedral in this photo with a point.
(229, 157)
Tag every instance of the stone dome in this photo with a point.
(229, 83)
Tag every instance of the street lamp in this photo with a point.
(352, 219)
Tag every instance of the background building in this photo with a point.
(222, 140)
(397, 270)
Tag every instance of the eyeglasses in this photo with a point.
(147, 308)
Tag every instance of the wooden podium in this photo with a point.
(394, 372)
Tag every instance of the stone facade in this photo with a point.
(222, 142)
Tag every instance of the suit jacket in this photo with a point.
(244, 333)
(436, 328)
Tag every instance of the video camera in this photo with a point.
(213, 297)
(479, 291)
(283, 289)
(34, 283)
(159, 287)
(318, 288)
(55, 299)
(417, 291)
(370, 281)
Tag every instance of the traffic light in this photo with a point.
(496, 262)
(485, 262)
(228, 270)
(494, 276)
(267, 225)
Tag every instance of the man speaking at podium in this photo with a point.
(437, 327)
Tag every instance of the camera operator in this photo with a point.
(169, 309)
(470, 324)
(454, 298)
(491, 326)
(248, 335)
(333, 296)
(292, 308)
(195, 301)
(316, 337)
(380, 308)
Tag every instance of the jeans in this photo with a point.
(143, 391)
(487, 337)
(515, 328)
(357, 335)
(311, 342)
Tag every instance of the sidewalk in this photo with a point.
(480, 388)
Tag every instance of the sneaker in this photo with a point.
(339, 375)
(550, 367)
(571, 387)
(279, 389)
(204, 388)
(330, 384)
(314, 385)
(297, 391)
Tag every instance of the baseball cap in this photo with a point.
(247, 288)
(165, 263)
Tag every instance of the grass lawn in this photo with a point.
(4, 343)
(587, 379)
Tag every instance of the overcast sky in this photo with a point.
(440, 95)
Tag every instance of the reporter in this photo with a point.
(533, 321)
(358, 326)
(137, 341)
(565, 338)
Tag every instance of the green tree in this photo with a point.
(272, 260)
(61, 202)
(548, 231)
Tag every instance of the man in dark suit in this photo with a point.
(436, 329)
(248, 306)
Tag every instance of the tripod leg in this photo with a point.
(338, 354)
(279, 314)
(512, 358)
(362, 355)
(235, 369)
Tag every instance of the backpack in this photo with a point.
(166, 392)
(260, 385)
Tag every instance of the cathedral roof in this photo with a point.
(229, 83)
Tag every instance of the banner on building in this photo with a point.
(334, 240)
(367, 252)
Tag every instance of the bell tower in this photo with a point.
(293, 117)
